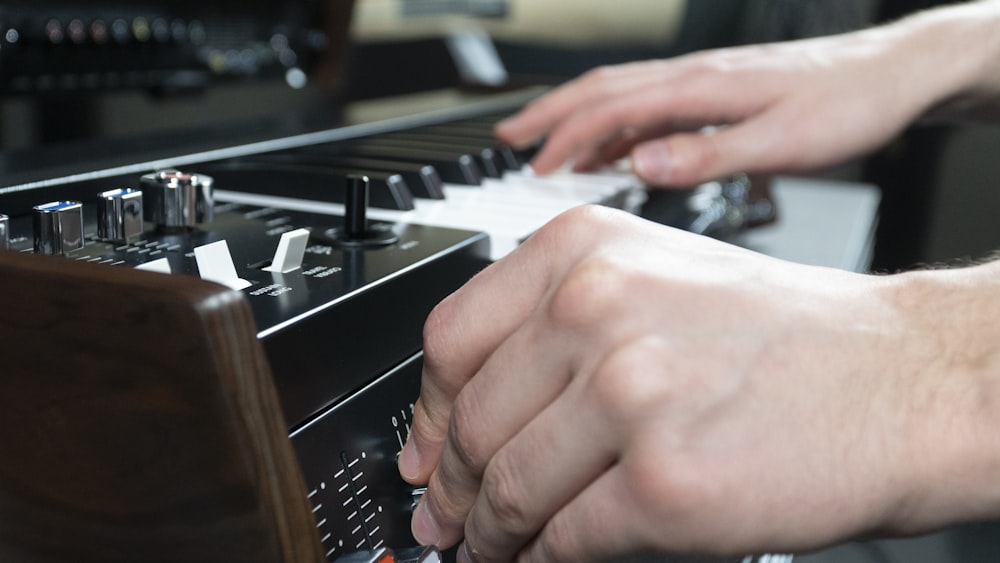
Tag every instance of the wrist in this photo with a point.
(949, 398)
(955, 53)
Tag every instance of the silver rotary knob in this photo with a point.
(58, 227)
(175, 199)
(4, 232)
(119, 217)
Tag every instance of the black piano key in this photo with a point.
(320, 183)
(507, 154)
(526, 154)
(454, 169)
(488, 154)
(461, 129)
(422, 179)
(513, 158)
(485, 159)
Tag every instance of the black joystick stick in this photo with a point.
(356, 232)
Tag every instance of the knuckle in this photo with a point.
(590, 291)
(613, 116)
(429, 427)
(555, 543)
(464, 434)
(447, 504)
(578, 227)
(668, 490)
(436, 336)
(583, 221)
(504, 498)
(719, 63)
(725, 60)
(629, 379)
(601, 76)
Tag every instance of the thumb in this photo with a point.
(688, 159)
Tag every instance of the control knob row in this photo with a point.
(169, 198)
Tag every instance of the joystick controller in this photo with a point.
(356, 232)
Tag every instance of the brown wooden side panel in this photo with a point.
(139, 422)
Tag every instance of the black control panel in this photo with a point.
(332, 320)
(339, 303)
(356, 493)
(79, 45)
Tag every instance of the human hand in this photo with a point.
(783, 107)
(614, 385)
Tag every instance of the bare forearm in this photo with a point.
(954, 399)
(958, 49)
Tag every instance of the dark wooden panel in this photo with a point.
(139, 422)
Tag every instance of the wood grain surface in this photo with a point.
(139, 422)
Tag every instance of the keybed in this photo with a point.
(453, 174)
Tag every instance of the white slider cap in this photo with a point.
(291, 249)
(161, 266)
(215, 263)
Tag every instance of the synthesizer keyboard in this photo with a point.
(342, 241)
(454, 175)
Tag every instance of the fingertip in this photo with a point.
(545, 162)
(409, 462)
(512, 131)
(503, 128)
(540, 168)
(424, 527)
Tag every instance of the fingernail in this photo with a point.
(425, 530)
(652, 162)
(409, 462)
